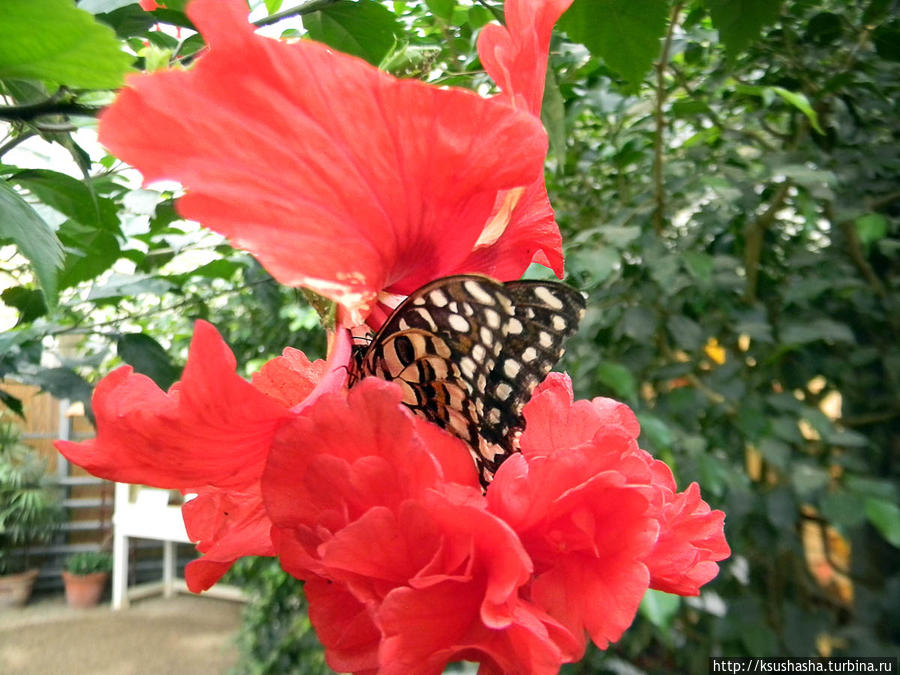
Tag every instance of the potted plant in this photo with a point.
(85, 577)
(29, 514)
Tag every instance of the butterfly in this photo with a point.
(468, 351)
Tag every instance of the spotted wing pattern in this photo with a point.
(468, 351)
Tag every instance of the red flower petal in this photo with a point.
(201, 574)
(515, 56)
(212, 428)
(360, 449)
(344, 627)
(557, 423)
(691, 541)
(335, 175)
(426, 629)
(227, 525)
(465, 603)
(529, 233)
(289, 379)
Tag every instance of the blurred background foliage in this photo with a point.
(727, 179)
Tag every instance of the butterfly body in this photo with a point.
(468, 351)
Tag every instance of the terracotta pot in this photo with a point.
(84, 590)
(15, 589)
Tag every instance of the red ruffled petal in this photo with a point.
(360, 449)
(290, 378)
(691, 542)
(588, 534)
(599, 516)
(201, 574)
(343, 626)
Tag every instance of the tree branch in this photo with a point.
(754, 237)
(884, 200)
(658, 187)
(306, 8)
(13, 142)
(855, 251)
(52, 106)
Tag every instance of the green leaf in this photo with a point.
(687, 333)
(808, 478)
(659, 608)
(847, 438)
(119, 285)
(91, 251)
(273, 6)
(69, 196)
(699, 265)
(90, 234)
(624, 33)
(775, 451)
(803, 332)
(740, 22)
(843, 508)
(28, 301)
(35, 240)
(887, 41)
(655, 431)
(872, 487)
(365, 28)
(618, 379)
(53, 41)
(12, 403)
(64, 383)
(553, 115)
(871, 227)
(597, 262)
(638, 323)
(801, 103)
(441, 8)
(128, 21)
(147, 357)
(885, 516)
(824, 28)
(781, 509)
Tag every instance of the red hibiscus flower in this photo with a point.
(208, 436)
(359, 185)
(598, 516)
(407, 570)
(337, 176)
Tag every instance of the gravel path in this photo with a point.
(184, 634)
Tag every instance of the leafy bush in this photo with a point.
(89, 562)
(29, 506)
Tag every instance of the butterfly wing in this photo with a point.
(546, 314)
(468, 351)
